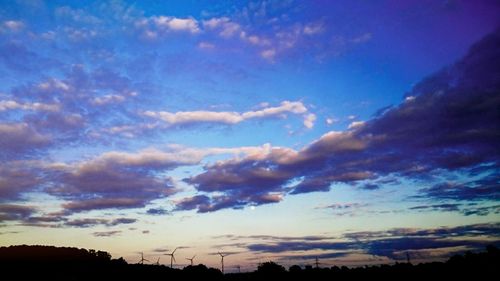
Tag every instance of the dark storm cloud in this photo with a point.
(448, 122)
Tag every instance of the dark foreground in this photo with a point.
(56, 263)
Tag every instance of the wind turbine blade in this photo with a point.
(173, 258)
(174, 251)
(193, 257)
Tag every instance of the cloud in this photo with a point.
(268, 54)
(20, 138)
(152, 27)
(112, 180)
(446, 127)
(13, 25)
(451, 207)
(224, 25)
(484, 189)
(15, 212)
(309, 120)
(231, 117)
(157, 211)
(36, 106)
(206, 45)
(87, 222)
(389, 243)
(176, 24)
(106, 233)
(481, 211)
(16, 178)
(108, 99)
(18, 57)
(313, 28)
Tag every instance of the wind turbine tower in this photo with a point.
(191, 259)
(172, 258)
(142, 259)
(222, 260)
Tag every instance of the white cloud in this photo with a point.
(226, 117)
(214, 23)
(226, 27)
(13, 25)
(362, 38)
(313, 28)
(309, 120)
(330, 121)
(176, 24)
(36, 106)
(108, 99)
(356, 124)
(268, 54)
(54, 84)
(206, 45)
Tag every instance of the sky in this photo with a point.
(351, 131)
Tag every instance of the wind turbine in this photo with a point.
(172, 258)
(158, 261)
(191, 259)
(222, 260)
(239, 268)
(142, 259)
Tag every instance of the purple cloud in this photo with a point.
(16, 178)
(15, 212)
(389, 243)
(448, 121)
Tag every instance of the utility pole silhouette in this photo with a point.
(407, 257)
(239, 268)
(222, 260)
(316, 262)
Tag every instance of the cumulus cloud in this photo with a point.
(20, 137)
(16, 178)
(110, 181)
(446, 126)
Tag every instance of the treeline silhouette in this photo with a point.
(63, 263)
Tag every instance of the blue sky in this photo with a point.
(270, 130)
